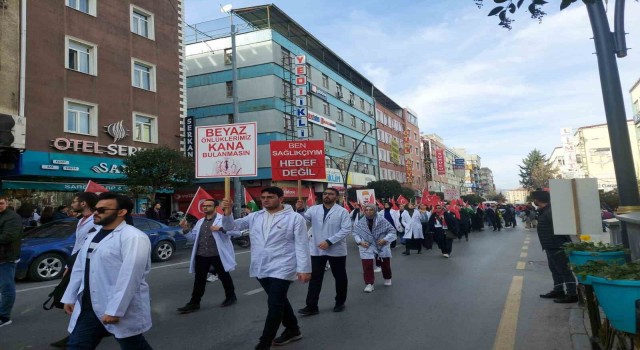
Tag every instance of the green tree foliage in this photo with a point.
(473, 199)
(498, 197)
(610, 200)
(385, 189)
(157, 168)
(536, 171)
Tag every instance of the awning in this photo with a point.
(56, 186)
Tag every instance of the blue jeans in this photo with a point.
(7, 288)
(89, 331)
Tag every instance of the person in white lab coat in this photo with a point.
(413, 235)
(212, 247)
(279, 255)
(331, 225)
(108, 293)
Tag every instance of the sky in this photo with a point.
(495, 92)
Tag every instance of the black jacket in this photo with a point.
(548, 239)
(10, 236)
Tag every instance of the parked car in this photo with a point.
(46, 248)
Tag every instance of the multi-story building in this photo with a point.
(439, 161)
(517, 196)
(390, 138)
(487, 186)
(634, 93)
(103, 80)
(472, 172)
(340, 102)
(413, 157)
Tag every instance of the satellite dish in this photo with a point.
(226, 8)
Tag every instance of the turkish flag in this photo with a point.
(346, 206)
(394, 206)
(195, 208)
(95, 188)
(311, 200)
(402, 200)
(380, 205)
(425, 197)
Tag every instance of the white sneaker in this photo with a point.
(445, 255)
(368, 288)
(387, 282)
(212, 278)
(377, 269)
(8, 321)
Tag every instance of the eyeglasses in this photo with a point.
(328, 194)
(102, 210)
(207, 205)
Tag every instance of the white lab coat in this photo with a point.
(395, 215)
(82, 230)
(335, 228)
(412, 224)
(223, 242)
(282, 250)
(119, 266)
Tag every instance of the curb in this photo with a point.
(579, 337)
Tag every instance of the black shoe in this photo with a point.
(288, 336)
(308, 311)
(190, 307)
(338, 308)
(229, 301)
(262, 346)
(62, 343)
(554, 294)
(406, 253)
(567, 299)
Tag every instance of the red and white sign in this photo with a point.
(366, 196)
(297, 160)
(228, 150)
(440, 162)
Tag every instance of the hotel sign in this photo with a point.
(84, 146)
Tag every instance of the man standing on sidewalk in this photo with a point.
(10, 238)
(553, 246)
(279, 255)
(331, 225)
(212, 247)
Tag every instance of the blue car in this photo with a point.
(46, 248)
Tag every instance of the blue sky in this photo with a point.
(495, 92)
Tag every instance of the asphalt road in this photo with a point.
(434, 303)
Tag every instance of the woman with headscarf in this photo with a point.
(440, 222)
(373, 235)
(410, 219)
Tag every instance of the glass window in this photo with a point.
(80, 5)
(79, 57)
(79, 118)
(326, 109)
(338, 90)
(227, 56)
(142, 76)
(230, 89)
(327, 135)
(325, 81)
(353, 121)
(140, 23)
(55, 229)
(341, 139)
(361, 103)
(144, 129)
(363, 125)
(340, 115)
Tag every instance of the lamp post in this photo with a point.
(346, 177)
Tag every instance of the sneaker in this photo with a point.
(377, 269)
(288, 336)
(406, 253)
(446, 255)
(262, 346)
(212, 278)
(190, 307)
(308, 311)
(229, 301)
(5, 321)
(338, 308)
(567, 299)
(369, 288)
(554, 294)
(387, 282)
(62, 343)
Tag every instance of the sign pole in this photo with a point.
(227, 188)
(299, 190)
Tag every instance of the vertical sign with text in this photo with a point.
(189, 146)
(300, 70)
(440, 162)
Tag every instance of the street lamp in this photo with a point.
(346, 177)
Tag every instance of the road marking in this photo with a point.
(526, 241)
(153, 268)
(524, 254)
(525, 247)
(255, 291)
(521, 265)
(506, 334)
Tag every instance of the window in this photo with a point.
(353, 144)
(364, 125)
(340, 115)
(325, 81)
(353, 121)
(365, 149)
(142, 22)
(288, 122)
(80, 117)
(86, 6)
(327, 135)
(310, 128)
(143, 75)
(327, 162)
(81, 56)
(326, 109)
(308, 71)
(228, 57)
(310, 101)
(285, 57)
(356, 167)
(352, 98)
(341, 139)
(229, 85)
(286, 90)
(361, 103)
(145, 128)
(338, 90)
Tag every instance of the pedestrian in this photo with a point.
(331, 225)
(425, 215)
(465, 223)
(413, 235)
(373, 235)
(393, 217)
(553, 245)
(83, 204)
(156, 213)
(479, 223)
(212, 247)
(497, 224)
(514, 216)
(10, 238)
(108, 293)
(279, 256)
(444, 226)
(533, 217)
(60, 213)
(490, 213)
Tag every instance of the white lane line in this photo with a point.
(521, 265)
(506, 334)
(523, 254)
(153, 268)
(255, 291)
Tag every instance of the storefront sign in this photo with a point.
(69, 165)
(458, 164)
(319, 92)
(84, 146)
(440, 161)
(395, 152)
(297, 160)
(228, 150)
(451, 194)
(322, 121)
(189, 142)
(55, 186)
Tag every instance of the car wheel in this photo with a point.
(163, 251)
(47, 267)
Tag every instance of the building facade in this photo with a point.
(390, 139)
(472, 172)
(439, 165)
(487, 185)
(105, 83)
(413, 155)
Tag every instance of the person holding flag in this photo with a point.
(331, 225)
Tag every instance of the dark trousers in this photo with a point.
(280, 310)
(367, 268)
(89, 331)
(560, 272)
(202, 265)
(445, 244)
(339, 271)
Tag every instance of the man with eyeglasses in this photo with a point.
(212, 247)
(330, 224)
(108, 293)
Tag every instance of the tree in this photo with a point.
(153, 169)
(500, 198)
(385, 189)
(536, 171)
(473, 199)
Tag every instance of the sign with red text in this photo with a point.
(440, 167)
(228, 150)
(297, 160)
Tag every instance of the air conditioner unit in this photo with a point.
(351, 102)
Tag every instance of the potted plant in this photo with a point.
(581, 252)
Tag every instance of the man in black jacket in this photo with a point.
(553, 246)
(10, 235)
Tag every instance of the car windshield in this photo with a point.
(55, 229)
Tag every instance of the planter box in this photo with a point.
(618, 301)
(581, 257)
